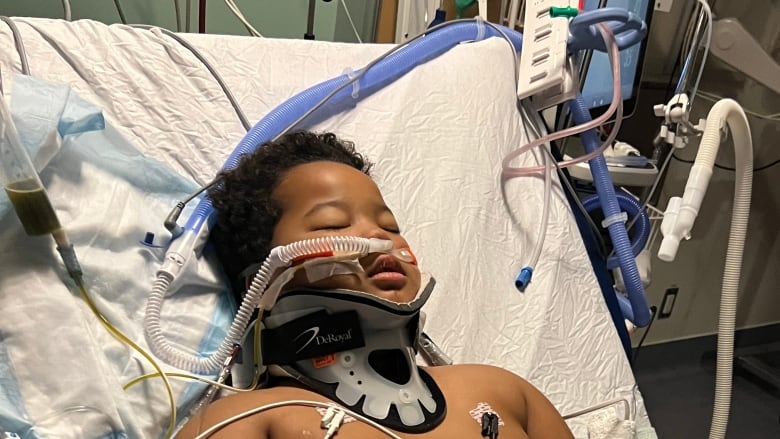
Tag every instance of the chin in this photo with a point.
(404, 295)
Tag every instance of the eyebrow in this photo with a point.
(340, 205)
(319, 206)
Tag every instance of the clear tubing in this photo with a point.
(690, 58)
(731, 113)
(616, 106)
(280, 257)
(545, 211)
(21, 182)
(526, 273)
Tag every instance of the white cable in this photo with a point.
(300, 402)
(66, 9)
(352, 23)
(624, 401)
(237, 12)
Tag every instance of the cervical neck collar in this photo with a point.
(356, 349)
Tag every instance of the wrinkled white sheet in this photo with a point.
(437, 137)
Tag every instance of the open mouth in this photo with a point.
(387, 271)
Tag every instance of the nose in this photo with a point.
(372, 230)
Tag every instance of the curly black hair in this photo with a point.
(247, 213)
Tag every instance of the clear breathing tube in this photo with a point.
(280, 257)
(616, 107)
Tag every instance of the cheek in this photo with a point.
(285, 232)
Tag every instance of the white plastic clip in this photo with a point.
(621, 217)
(332, 420)
(480, 28)
(355, 84)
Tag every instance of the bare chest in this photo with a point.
(461, 421)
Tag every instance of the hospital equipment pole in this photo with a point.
(309, 35)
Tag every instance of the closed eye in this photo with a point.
(330, 227)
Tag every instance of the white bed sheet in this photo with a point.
(437, 137)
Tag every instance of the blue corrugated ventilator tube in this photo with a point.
(635, 307)
(383, 73)
(632, 207)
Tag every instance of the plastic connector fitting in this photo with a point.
(568, 12)
(681, 214)
(524, 278)
(668, 249)
(178, 255)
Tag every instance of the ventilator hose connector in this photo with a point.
(282, 256)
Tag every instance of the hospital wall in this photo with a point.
(272, 18)
(698, 269)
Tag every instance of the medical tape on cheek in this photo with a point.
(272, 292)
(317, 270)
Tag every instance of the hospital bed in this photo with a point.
(437, 136)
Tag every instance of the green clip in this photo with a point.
(567, 12)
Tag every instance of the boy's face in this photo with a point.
(328, 198)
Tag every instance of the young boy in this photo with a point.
(307, 186)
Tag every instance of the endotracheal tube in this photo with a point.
(38, 217)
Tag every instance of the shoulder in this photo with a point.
(255, 424)
(517, 397)
(480, 376)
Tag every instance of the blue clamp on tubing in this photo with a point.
(524, 278)
(621, 217)
(627, 27)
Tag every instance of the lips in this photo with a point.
(385, 264)
(387, 272)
